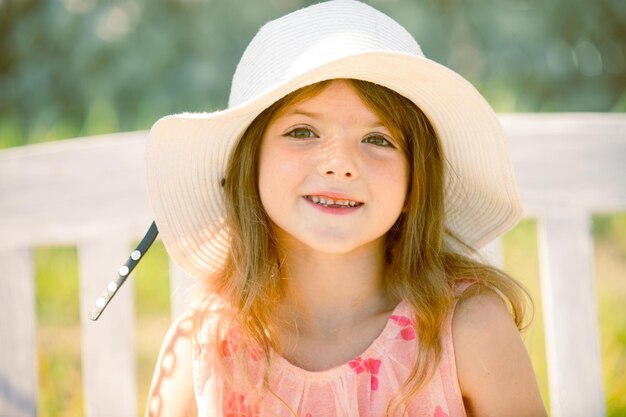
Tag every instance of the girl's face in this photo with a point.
(332, 178)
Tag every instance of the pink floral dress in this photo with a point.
(362, 387)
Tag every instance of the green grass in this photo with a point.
(61, 395)
(58, 332)
(610, 249)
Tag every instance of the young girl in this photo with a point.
(331, 214)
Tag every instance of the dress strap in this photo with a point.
(461, 286)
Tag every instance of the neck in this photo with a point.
(330, 292)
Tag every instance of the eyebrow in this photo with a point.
(312, 115)
(299, 112)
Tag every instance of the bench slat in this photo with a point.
(571, 160)
(570, 316)
(62, 192)
(109, 374)
(18, 364)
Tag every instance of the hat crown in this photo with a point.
(307, 38)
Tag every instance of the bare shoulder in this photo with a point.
(171, 392)
(494, 370)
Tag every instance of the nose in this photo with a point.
(338, 160)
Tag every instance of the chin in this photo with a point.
(343, 247)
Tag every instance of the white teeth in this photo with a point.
(329, 201)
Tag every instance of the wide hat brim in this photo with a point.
(187, 154)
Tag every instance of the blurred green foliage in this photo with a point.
(56, 272)
(81, 67)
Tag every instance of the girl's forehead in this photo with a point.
(304, 94)
(315, 99)
(335, 93)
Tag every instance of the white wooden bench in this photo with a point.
(89, 192)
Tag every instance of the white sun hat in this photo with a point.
(187, 154)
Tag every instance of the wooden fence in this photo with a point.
(90, 192)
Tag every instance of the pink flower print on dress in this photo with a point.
(408, 330)
(227, 347)
(440, 413)
(370, 365)
(236, 407)
(230, 345)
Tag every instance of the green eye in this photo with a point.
(378, 140)
(301, 133)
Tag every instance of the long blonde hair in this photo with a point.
(423, 269)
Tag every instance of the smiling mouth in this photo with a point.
(329, 202)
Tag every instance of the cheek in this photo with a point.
(395, 183)
(281, 164)
(277, 173)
